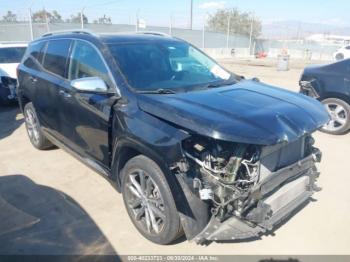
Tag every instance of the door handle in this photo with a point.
(64, 93)
(33, 79)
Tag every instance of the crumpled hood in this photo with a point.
(247, 112)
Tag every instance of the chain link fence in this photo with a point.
(217, 44)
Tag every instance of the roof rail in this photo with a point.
(153, 33)
(73, 31)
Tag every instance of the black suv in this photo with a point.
(193, 148)
(330, 84)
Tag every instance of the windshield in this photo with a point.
(11, 54)
(167, 65)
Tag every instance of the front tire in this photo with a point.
(36, 136)
(149, 201)
(339, 56)
(340, 116)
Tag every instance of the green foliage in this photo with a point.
(240, 22)
(43, 16)
(77, 19)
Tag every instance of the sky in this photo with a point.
(158, 12)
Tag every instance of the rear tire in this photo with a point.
(36, 135)
(149, 201)
(340, 116)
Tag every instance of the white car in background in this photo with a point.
(10, 56)
(342, 53)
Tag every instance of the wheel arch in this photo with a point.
(194, 213)
(124, 150)
(22, 101)
(340, 96)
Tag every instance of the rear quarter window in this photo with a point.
(56, 55)
(34, 55)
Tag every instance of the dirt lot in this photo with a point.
(50, 203)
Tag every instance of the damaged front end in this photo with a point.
(8, 88)
(247, 189)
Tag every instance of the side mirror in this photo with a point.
(90, 84)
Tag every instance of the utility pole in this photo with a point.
(251, 35)
(137, 21)
(82, 18)
(298, 31)
(191, 15)
(171, 25)
(46, 20)
(228, 31)
(203, 32)
(31, 24)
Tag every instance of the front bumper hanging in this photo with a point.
(280, 194)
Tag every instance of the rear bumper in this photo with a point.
(280, 195)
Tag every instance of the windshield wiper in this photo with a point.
(225, 83)
(157, 91)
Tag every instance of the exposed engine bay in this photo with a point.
(248, 185)
(10, 84)
(227, 172)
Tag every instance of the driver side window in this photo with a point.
(86, 62)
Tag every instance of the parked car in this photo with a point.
(10, 57)
(342, 53)
(193, 148)
(330, 84)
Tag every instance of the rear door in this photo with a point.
(48, 83)
(85, 115)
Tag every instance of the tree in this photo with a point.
(56, 17)
(42, 16)
(103, 20)
(240, 22)
(9, 17)
(77, 19)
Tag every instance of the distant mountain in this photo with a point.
(296, 29)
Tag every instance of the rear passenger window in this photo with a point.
(86, 62)
(56, 56)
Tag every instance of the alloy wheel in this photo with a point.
(339, 117)
(146, 202)
(32, 125)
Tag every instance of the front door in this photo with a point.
(85, 116)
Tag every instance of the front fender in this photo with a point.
(145, 132)
(162, 142)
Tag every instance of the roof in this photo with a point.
(4, 45)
